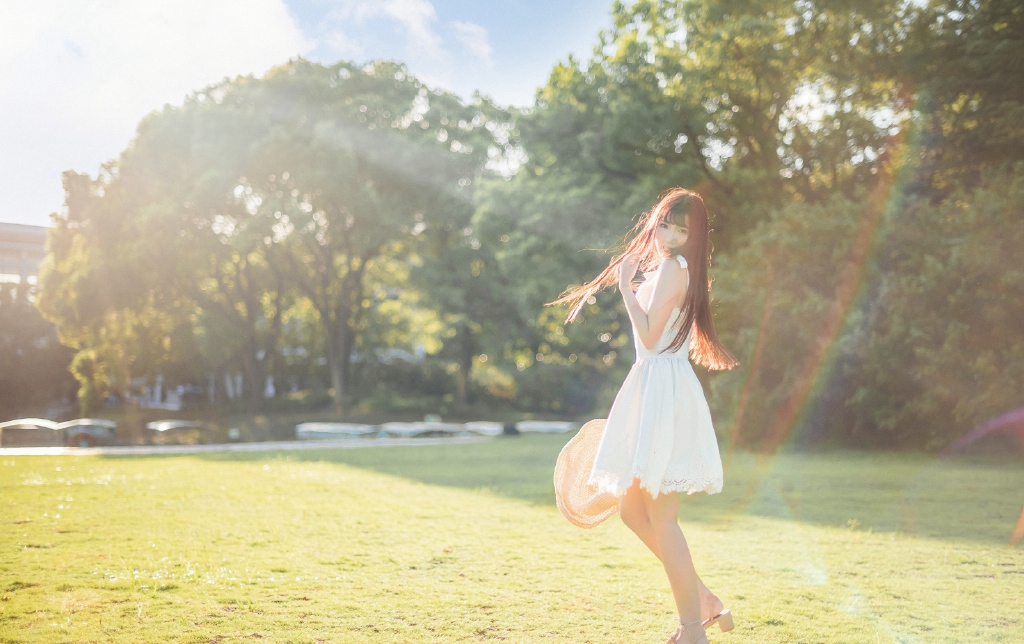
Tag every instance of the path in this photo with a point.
(268, 446)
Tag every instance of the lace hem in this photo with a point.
(608, 482)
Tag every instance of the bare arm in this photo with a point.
(670, 285)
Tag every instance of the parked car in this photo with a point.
(31, 432)
(545, 426)
(178, 432)
(89, 432)
(314, 431)
(40, 432)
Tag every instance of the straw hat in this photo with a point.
(578, 502)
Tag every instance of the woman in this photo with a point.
(658, 441)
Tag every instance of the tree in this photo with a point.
(33, 364)
(107, 283)
(787, 300)
(259, 191)
(753, 105)
(964, 58)
(344, 188)
(459, 277)
(943, 334)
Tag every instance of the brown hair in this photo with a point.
(674, 206)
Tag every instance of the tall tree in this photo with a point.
(352, 163)
(33, 364)
(297, 182)
(755, 105)
(109, 285)
(964, 58)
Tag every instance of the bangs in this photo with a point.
(676, 215)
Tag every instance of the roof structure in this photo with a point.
(22, 249)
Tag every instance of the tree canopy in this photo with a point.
(310, 184)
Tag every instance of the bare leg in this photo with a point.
(633, 512)
(675, 555)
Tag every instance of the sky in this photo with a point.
(76, 77)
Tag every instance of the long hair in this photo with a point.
(675, 207)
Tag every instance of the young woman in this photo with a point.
(658, 441)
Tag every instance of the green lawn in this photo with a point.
(463, 543)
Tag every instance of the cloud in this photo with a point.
(474, 38)
(76, 78)
(403, 30)
(416, 16)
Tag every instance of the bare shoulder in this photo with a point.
(672, 276)
(672, 270)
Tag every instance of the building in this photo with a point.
(22, 249)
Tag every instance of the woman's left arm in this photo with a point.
(670, 285)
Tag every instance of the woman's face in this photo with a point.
(669, 238)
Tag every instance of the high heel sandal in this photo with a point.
(711, 604)
(723, 619)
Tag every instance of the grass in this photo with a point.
(462, 543)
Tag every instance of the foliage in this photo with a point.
(777, 296)
(537, 254)
(33, 364)
(942, 347)
(797, 122)
(254, 195)
(751, 104)
(929, 350)
(105, 285)
(963, 57)
(699, 94)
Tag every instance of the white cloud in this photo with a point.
(76, 78)
(343, 45)
(403, 30)
(474, 38)
(417, 16)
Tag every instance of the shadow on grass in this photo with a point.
(913, 494)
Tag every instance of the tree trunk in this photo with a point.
(255, 375)
(338, 353)
(465, 364)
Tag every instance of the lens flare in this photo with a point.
(755, 362)
(1011, 423)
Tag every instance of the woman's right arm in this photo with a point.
(670, 284)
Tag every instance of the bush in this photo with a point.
(776, 300)
(931, 345)
(945, 337)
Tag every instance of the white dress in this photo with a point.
(659, 427)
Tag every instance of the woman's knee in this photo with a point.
(663, 511)
(665, 525)
(634, 514)
(633, 511)
(637, 523)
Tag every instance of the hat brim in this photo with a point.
(579, 502)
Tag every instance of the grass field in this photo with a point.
(463, 543)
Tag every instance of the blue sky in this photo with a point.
(504, 48)
(76, 78)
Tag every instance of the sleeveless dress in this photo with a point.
(659, 427)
